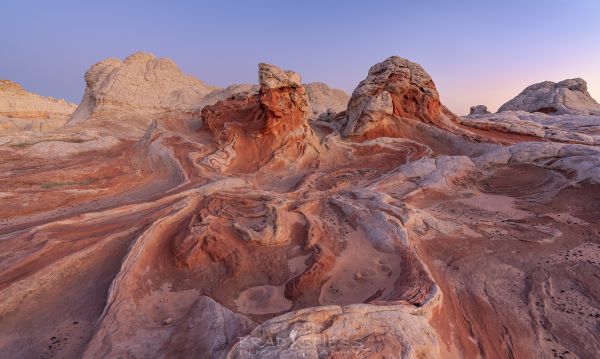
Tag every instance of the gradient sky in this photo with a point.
(477, 51)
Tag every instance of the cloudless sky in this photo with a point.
(477, 51)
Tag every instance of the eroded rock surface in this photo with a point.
(21, 110)
(568, 97)
(324, 99)
(236, 225)
(395, 90)
(478, 110)
(139, 87)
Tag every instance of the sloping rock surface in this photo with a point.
(21, 110)
(141, 82)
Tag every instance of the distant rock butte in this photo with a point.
(561, 112)
(141, 82)
(323, 99)
(479, 110)
(566, 97)
(22, 110)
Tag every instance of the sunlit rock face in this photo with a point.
(171, 219)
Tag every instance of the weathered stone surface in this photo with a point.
(583, 129)
(273, 77)
(565, 97)
(323, 99)
(355, 331)
(265, 128)
(395, 89)
(190, 339)
(478, 110)
(417, 235)
(140, 83)
(21, 110)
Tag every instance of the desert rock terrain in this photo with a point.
(169, 218)
(21, 110)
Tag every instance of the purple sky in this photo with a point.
(477, 51)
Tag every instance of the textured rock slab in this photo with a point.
(584, 129)
(355, 331)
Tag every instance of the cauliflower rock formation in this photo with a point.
(478, 110)
(141, 83)
(568, 97)
(394, 91)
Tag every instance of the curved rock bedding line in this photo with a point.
(242, 225)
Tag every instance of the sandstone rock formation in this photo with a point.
(25, 111)
(566, 97)
(479, 110)
(561, 128)
(270, 127)
(396, 91)
(141, 84)
(323, 98)
(243, 228)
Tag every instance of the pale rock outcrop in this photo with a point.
(584, 129)
(273, 77)
(141, 83)
(478, 110)
(324, 99)
(353, 331)
(21, 110)
(237, 91)
(579, 162)
(565, 97)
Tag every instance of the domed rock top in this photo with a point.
(566, 97)
(479, 110)
(141, 82)
(10, 87)
(139, 57)
(271, 76)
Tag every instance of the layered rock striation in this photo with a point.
(21, 110)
